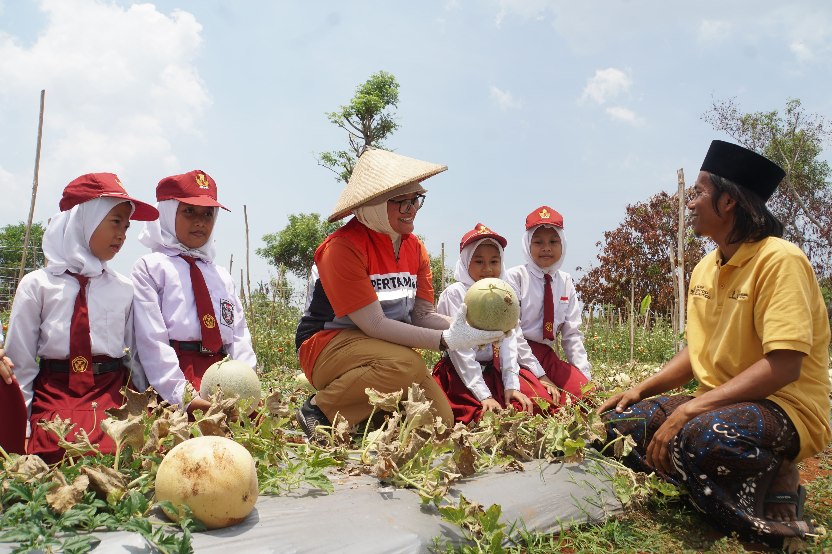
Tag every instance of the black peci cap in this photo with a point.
(744, 167)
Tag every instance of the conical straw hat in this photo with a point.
(379, 172)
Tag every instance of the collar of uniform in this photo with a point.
(745, 252)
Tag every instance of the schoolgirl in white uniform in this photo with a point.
(187, 315)
(471, 378)
(71, 320)
(549, 304)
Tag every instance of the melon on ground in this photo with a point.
(214, 476)
(492, 305)
(234, 378)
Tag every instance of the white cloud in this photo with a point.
(121, 83)
(802, 51)
(712, 30)
(525, 9)
(624, 115)
(505, 100)
(606, 85)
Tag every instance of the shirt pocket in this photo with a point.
(113, 336)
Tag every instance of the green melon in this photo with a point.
(234, 378)
(492, 305)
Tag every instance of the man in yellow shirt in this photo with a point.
(758, 347)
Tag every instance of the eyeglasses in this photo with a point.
(404, 205)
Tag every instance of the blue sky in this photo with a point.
(584, 106)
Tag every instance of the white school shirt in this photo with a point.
(42, 313)
(567, 318)
(164, 310)
(467, 362)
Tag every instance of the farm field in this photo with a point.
(656, 517)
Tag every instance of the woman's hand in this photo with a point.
(522, 399)
(6, 368)
(551, 388)
(490, 405)
(461, 335)
(620, 401)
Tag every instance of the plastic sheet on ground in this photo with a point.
(365, 515)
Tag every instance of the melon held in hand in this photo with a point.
(492, 305)
(214, 476)
(234, 378)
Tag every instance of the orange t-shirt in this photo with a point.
(355, 267)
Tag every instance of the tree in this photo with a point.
(641, 248)
(368, 119)
(294, 247)
(11, 249)
(794, 140)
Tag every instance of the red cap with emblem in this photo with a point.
(544, 215)
(480, 232)
(97, 185)
(196, 188)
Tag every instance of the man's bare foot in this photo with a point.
(781, 503)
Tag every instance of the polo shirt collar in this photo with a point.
(745, 252)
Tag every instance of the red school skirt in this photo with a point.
(465, 405)
(567, 377)
(193, 361)
(52, 398)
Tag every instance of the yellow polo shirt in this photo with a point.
(765, 298)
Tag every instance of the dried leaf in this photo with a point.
(59, 426)
(622, 445)
(341, 431)
(383, 468)
(386, 401)
(465, 459)
(135, 403)
(214, 424)
(28, 468)
(125, 431)
(418, 413)
(64, 497)
(276, 406)
(81, 445)
(105, 481)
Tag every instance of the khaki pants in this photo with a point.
(352, 361)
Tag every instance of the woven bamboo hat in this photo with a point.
(379, 172)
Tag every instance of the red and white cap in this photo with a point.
(196, 188)
(544, 215)
(98, 185)
(480, 232)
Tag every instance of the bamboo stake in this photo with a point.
(442, 271)
(250, 315)
(680, 253)
(632, 315)
(34, 190)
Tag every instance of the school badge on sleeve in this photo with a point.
(227, 313)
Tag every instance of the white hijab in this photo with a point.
(530, 263)
(66, 242)
(461, 269)
(374, 213)
(160, 235)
